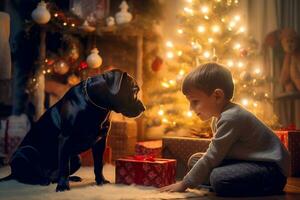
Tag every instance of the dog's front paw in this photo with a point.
(62, 185)
(101, 181)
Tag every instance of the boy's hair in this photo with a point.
(208, 77)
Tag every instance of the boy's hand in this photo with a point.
(176, 187)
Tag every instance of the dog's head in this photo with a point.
(118, 91)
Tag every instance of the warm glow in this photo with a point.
(210, 40)
(201, 29)
(170, 55)
(245, 102)
(188, 10)
(181, 72)
(237, 18)
(206, 54)
(230, 63)
(73, 25)
(48, 70)
(189, 1)
(180, 31)
(165, 85)
(172, 82)
(216, 29)
(266, 95)
(65, 24)
(161, 112)
(204, 9)
(189, 114)
(237, 46)
(257, 71)
(179, 53)
(206, 17)
(242, 29)
(55, 15)
(240, 64)
(165, 120)
(169, 44)
(232, 24)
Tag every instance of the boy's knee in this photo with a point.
(220, 185)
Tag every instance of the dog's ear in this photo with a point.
(113, 80)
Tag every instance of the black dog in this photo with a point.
(77, 122)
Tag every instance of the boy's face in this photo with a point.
(205, 106)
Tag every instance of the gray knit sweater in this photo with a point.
(238, 134)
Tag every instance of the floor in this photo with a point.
(292, 190)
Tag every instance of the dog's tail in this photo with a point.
(7, 178)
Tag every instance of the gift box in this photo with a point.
(150, 148)
(122, 138)
(155, 172)
(181, 149)
(291, 139)
(86, 157)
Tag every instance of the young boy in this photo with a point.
(244, 158)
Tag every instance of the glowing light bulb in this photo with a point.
(206, 17)
(210, 40)
(255, 104)
(257, 71)
(172, 82)
(48, 70)
(180, 31)
(237, 18)
(242, 29)
(189, 114)
(181, 72)
(245, 102)
(188, 10)
(237, 46)
(169, 44)
(65, 24)
(165, 120)
(55, 15)
(161, 112)
(165, 85)
(230, 63)
(201, 29)
(179, 53)
(206, 54)
(240, 64)
(170, 55)
(73, 25)
(216, 29)
(204, 9)
(232, 24)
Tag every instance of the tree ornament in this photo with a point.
(243, 52)
(83, 65)
(123, 16)
(73, 79)
(61, 67)
(41, 14)
(86, 27)
(94, 60)
(110, 21)
(157, 64)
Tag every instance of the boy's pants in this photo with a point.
(244, 178)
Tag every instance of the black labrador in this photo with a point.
(79, 121)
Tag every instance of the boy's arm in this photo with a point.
(227, 134)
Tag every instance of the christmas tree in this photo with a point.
(208, 30)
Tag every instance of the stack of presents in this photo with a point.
(157, 163)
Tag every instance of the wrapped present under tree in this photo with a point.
(291, 139)
(147, 171)
(150, 148)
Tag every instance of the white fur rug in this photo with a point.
(87, 190)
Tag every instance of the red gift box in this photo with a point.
(150, 148)
(155, 172)
(291, 140)
(87, 157)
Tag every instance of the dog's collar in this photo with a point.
(88, 97)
